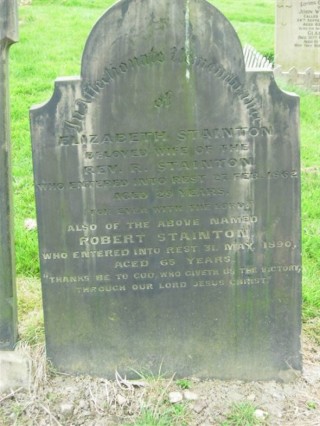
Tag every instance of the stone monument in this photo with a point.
(8, 308)
(167, 183)
(297, 46)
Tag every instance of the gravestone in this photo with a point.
(298, 40)
(167, 182)
(8, 308)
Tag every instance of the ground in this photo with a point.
(56, 399)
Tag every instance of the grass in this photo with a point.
(169, 415)
(242, 414)
(31, 327)
(183, 383)
(253, 21)
(157, 410)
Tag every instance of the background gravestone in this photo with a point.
(168, 202)
(297, 42)
(8, 309)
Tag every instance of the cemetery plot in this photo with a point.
(168, 202)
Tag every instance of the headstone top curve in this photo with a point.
(205, 29)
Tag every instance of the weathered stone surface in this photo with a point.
(168, 202)
(8, 309)
(298, 34)
(8, 21)
(14, 371)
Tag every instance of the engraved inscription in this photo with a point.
(298, 37)
(308, 23)
(222, 274)
(185, 248)
(91, 91)
(209, 65)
